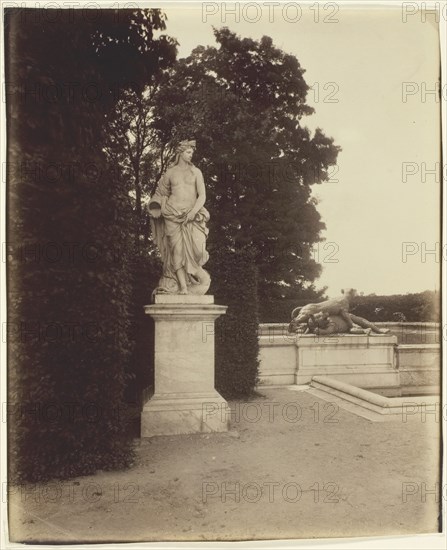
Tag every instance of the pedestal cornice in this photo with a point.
(190, 312)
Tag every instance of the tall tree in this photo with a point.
(244, 102)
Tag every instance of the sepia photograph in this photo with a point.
(223, 264)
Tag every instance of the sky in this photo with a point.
(371, 72)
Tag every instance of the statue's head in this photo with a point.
(185, 150)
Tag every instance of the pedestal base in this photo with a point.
(185, 400)
(184, 414)
(363, 361)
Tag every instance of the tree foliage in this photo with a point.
(244, 102)
(280, 310)
(131, 146)
(411, 307)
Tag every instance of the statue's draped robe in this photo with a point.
(169, 230)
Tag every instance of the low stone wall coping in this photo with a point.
(352, 390)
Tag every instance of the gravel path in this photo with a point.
(292, 466)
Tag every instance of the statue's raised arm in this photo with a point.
(178, 221)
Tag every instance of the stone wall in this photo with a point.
(364, 361)
(419, 367)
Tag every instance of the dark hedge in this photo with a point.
(234, 284)
(70, 240)
(146, 272)
(69, 321)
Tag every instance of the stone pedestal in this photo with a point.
(361, 360)
(185, 400)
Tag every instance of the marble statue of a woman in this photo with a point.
(178, 220)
